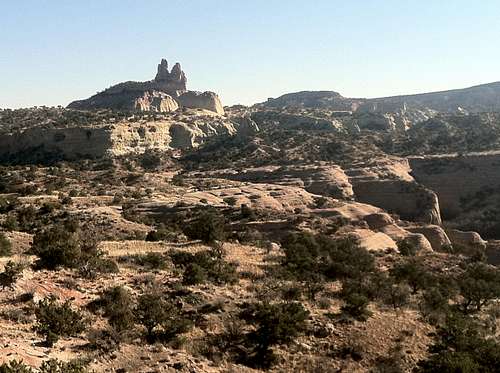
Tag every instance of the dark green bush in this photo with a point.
(355, 306)
(54, 320)
(194, 275)
(307, 254)
(10, 274)
(161, 318)
(117, 306)
(56, 247)
(275, 324)
(5, 245)
(206, 265)
(478, 285)
(209, 227)
(413, 273)
(15, 366)
(462, 346)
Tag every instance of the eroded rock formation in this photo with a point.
(165, 93)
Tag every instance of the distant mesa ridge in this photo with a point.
(165, 93)
(480, 98)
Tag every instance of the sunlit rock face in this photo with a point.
(167, 92)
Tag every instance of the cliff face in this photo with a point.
(165, 93)
(181, 132)
(457, 178)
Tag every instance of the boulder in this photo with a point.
(419, 241)
(378, 220)
(434, 234)
(466, 239)
(201, 100)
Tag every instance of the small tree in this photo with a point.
(208, 227)
(55, 320)
(479, 284)
(413, 273)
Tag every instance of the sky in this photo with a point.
(55, 51)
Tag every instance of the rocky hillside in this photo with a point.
(481, 98)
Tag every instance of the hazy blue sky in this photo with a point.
(55, 51)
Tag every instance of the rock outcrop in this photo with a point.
(174, 132)
(325, 180)
(165, 93)
(388, 185)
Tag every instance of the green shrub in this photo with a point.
(194, 275)
(56, 247)
(406, 248)
(10, 274)
(5, 245)
(209, 227)
(462, 346)
(478, 285)
(356, 306)
(15, 366)
(162, 233)
(117, 306)
(208, 265)
(57, 366)
(161, 318)
(54, 320)
(150, 260)
(413, 273)
(275, 324)
(307, 255)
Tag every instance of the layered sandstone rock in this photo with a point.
(435, 234)
(387, 184)
(470, 240)
(175, 132)
(202, 100)
(326, 180)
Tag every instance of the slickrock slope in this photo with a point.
(326, 180)
(165, 93)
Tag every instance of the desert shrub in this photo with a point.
(62, 246)
(5, 245)
(231, 201)
(162, 233)
(275, 324)
(462, 346)
(161, 318)
(150, 260)
(57, 366)
(478, 285)
(247, 212)
(207, 227)
(10, 274)
(413, 273)
(356, 306)
(15, 366)
(54, 320)
(307, 254)
(193, 275)
(406, 248)
(56, 247)
(117, 306)
(397, 295)
(150, 160)
(10, 223)
(206, 265)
